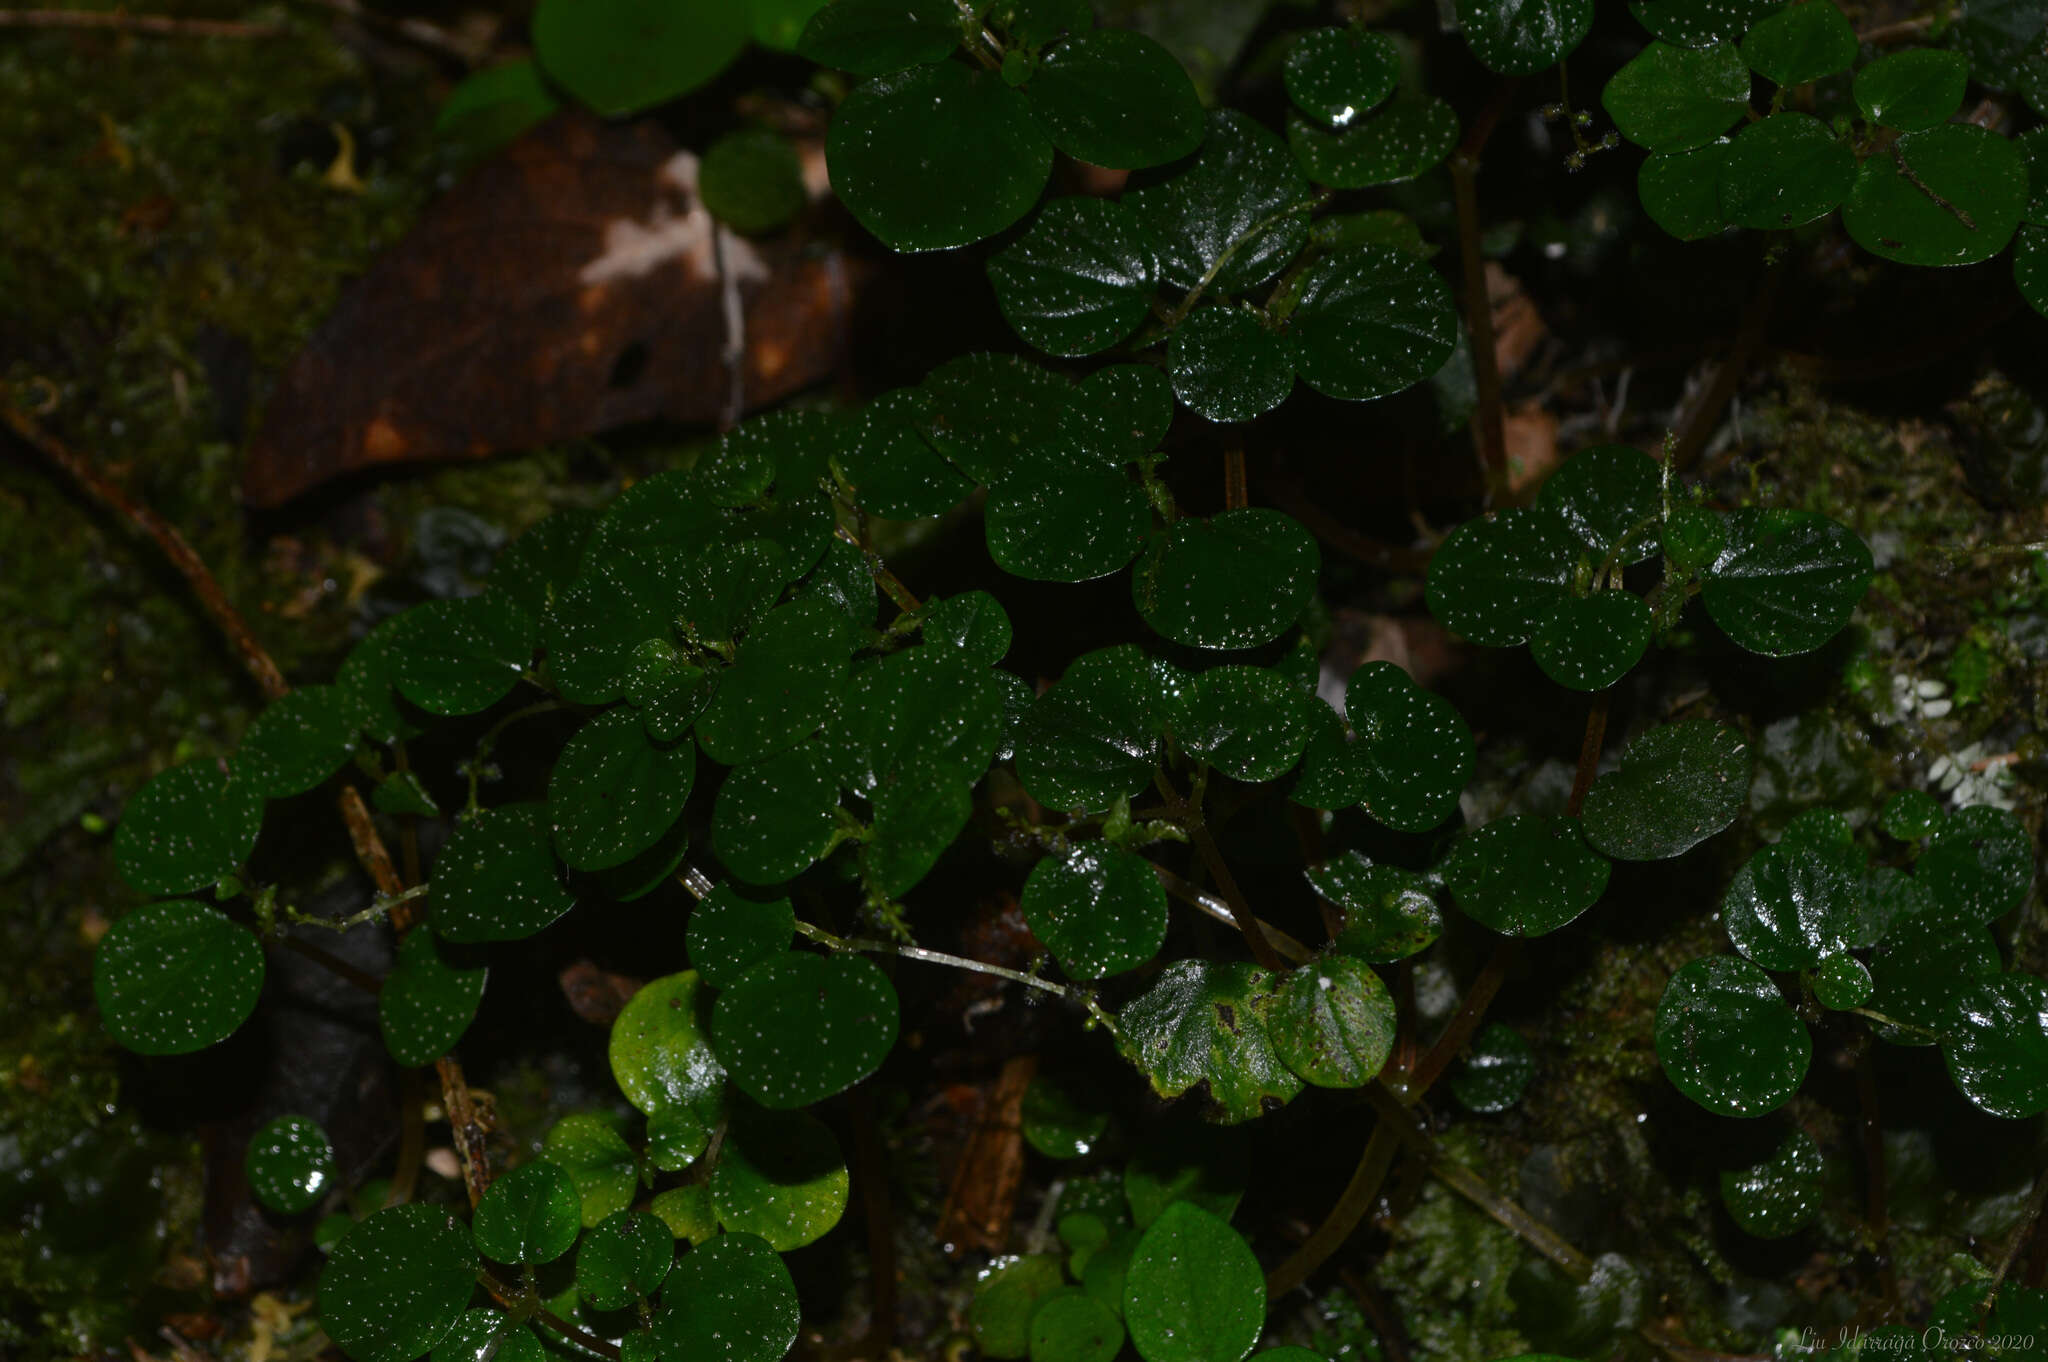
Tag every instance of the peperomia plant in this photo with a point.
(724, 701)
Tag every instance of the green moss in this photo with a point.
(1446, 1273)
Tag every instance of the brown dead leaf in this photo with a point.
(1517, 327)
(594, 994)
(1530, 434)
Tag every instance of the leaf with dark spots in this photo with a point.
(569, 285)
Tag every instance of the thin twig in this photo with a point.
(851, 943)
(1873, 1159)
(1471, 1011)
(1589, 753)
(334, 964)
(1189, 813)
(1489, 428)
(1350, 1208)
(418, 32)
(1234, 495)
(884, 578)
(159, 25)
(1292, 949)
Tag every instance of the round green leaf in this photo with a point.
(731, 930)
(875, 37)
(1005, 1298)
(596, 632)
(1226, 366)
(1194, 1291)
(1093, 737)
(730, 1299)
(1526, 874)
(1336, 74)
(1780, 1195)
(1522, 37)
(1079, 279)
(1205, 1022)
(1978, 864)
(496, 879)
(191, 825)
(589, 1148)
(1681, 190)
(1727, 1039)
(1115, 98)
(1951, 195)
(1496, 1070)
(752, 180)
(623, 1259)
(1998, 1054)
(290, 1164)
(1248, 722)
(892, 466)
(899, 135)
(1034, 23)
(1609, 496)
(426, 1003)
(174, 977)
(775, 817)
(1787, 908)
(1389, 913)
(1057, 1121)
(659, 1052)
(489, 1336)
(299, 740)
(613, 793)
(1495, 580)
(1119, 412)
(1236, 580)
(460, 656)
(530, 1215)
(396, 1283)
(1675, 98)
(1242, 197)
(1065, 524)
(1923, 970)
(1333, 1022)
(1370, 322)
(781, 1177)
(1099, 910)
(974, 622)
(1785, 171)
(1910, 815)
(1842, 982)
(622, 56)
(1785, 581)
(1417, 749)
(985, 408)
(1070, 1325)
(1800, 43)
(1677, 785)
(789, 670)
(1591, 642)
(1696, 23)
(689, 1214)
(796, 1029)
(1913, 90)
(1194, 1162)
(1400, 142)
(491, 107)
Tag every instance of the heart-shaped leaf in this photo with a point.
(1370, 322)
(1416, 746)
(1785, 581)
(1079, 279)
(613, 793)
(1785, 171)
(1194, 1291)
(1333, 1022)
(1496, 1071)
(174, 977)
(530, 1215)
(1913, 90)
(731, 930)
(189, 826)
(1389, 913)
(1115, 98)
(1065, 520)
(1610, 497)
(1800, 43)
(1780, 1195)
(496, 879)
(426, 1002)
(789, 670)
(1951, 195)
(589, 1148)
(1978, 864)
(624, 1259)
(660, 1052)
(1681, 190)
(1696, 23)
(1728, 1040)
(729, 1298)
(1675, 98)
(1336, 74)
(1495, 580)
(774, 818)
(461, 656)
(1788, 907)
(1094, 737)
(893, 468)
(622, 56)
(1403, 140)
(1591, 642)
(1998, 1054)
(300, 739)
(1227, 366)
(1233, 216)
(1522, 37)
(876, 37)
(780, 1177)
(1251, 723)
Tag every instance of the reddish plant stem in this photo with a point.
(1188, 813)
(1340, 536)
(1471, 1011)
(1234, 493)
(1589, 753)
(1489, 431)
(1873, 1159)
(1350, 1208)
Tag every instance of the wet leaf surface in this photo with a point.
(427, 1000)
(1333, 1022)
(1417, 749)
(1204, 1022)
(1677, 785)
(1370, 322)
(1998, 1052)
(497, 880)
(1226, 366)
(780, 1177)
(1800, 43)
(1336, 74)
(1526, 874)
(1979, 177)
(1672, 98)
(396, 1283)
(1115, 98)
(624, 1259)
(1389, 913)
(290, 1164)
(1194, 1291)
(1496, 1071)
(1099, 910)
(614, 793)
(1398, 143)
(1236, 580)
(798, 1028)
(171, 978)
(1234, 198)
(661, 1053)
(529, 1215)
(1785, 581)
(1728, 1040)
(190, 825)
(1521, 37)
(1079, 279)
(1780, 1195)
(729, 1300)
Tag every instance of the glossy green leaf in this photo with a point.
(489, 1336)
(1070, 1325)
(876, 37)
(1677, 785)
(1336, 74)
(730, 1299)
(1591, 642)
(1787, 907)
(844, 579)
(1058, 1121)
(1522, 37)
(613, 793)
(1099, 910)
(1094, 737)
(775, 817)
(1240, 197)
(1496, 580)
(1496, 1071)
(1333, 1022)
(1980, 179)
(1227, 366)
(1910, 815)
(1115, 98)
(1978, 864)
(688, 1213)
(396, 1283)
(1370, 322)
(781, 1177)
(1785, 581)
(426, 1002)
(985, 408)
(1728, 1040)
(1998, 1053)
(299, 740)
(536, 568)
(624, 1259)
(789, 670)
(752, 181)
(492, 106)
(1389, 913)
(731, 930)
(893, 467)
(1194, 1291)
(1780, 1195)
(1005, 1298)
(1120, 412)
(1333, 764)
(1079, 279)
(660, 1053)
(1693, 538)
(1251, 723)
(189, 826)
(974, 622)
(290, 1164)
(1398, 143)
(496, 879)
(1526, 874)
(173, 977)
(1205, 1022)
(1925, 967)
(1681, 190)
(622, 56)
(1610, 497)
(780, 24)
(1696, 23)
(898, 135)
(798, 1028)
(365, 679)
(1842, 982)
(1800, 43)
(589, 1148)
(1785, 171)
(529, 1215)
(1912, 90)
(1065, 520)
(594, 635)
(1675, 98)
(461, 656)
(1417, 749)
(1235, 580)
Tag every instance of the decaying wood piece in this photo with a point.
(982, 1200)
